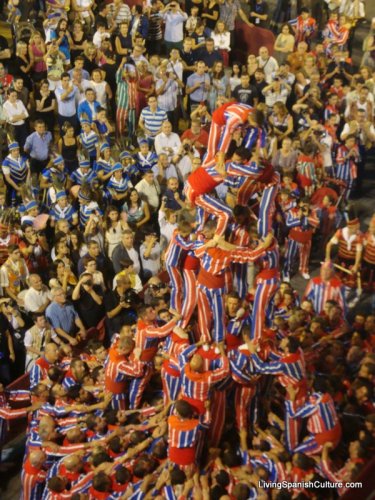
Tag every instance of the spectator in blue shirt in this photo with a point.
(198, 85)
(67, 98)
(37, 146)
(89, 107)
(151, 119)
(64, 318)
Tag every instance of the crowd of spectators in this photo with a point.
(158, 198)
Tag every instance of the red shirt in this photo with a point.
(201, 138)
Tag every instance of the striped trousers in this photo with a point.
(190, 296)
(220, 136)
(264, 293)
(267, 209)
(294, 249)
(211, 312)
(176, 287)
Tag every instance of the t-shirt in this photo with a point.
(245, 95)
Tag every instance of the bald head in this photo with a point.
(35, 282)
(72, 463)
(196, 363)
(37, 458)
(51, 352)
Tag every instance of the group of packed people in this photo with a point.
(157, 200)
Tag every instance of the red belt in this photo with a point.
(148, 354)
(209, 280)
(333, 435)
(114, 387)
(196, 403)
(182, 456)
(232, 341)
(268, 274)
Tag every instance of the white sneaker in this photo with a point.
(306, 276)
(286, 279)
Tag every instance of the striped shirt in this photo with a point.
(369, 248)
(149, 336)
(126, 91)
(153, 121)
(119, 186)
(33, 480)
(86, 210)
(146, 163)
(290, 369)
(216, 261)
(78, 177)
(182, 433)
(68, 213)
(167, 100)
(319, 291)
(320, 410)
(196, 385)
(242, 366)
(349, 244)
(16, 168)
(346, 168)
(177, 250)
(89, 142)
(39, 371)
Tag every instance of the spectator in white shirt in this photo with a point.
(149, 190)
(174, 19)
(16, 115)
(38, 296)
(167, 142)
(100, 35)
(276, 92)
(167, 223)
(267, 63)
(36, 338)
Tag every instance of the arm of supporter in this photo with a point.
(186, 354)
(8, 413)
(304, 411)
(292, 220)
(160, 331)
(271, 368)
(221, 372)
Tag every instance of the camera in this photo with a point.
(88, 283)
(130, 297)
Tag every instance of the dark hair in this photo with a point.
(293, 344)
(289, 27)
(177, 476)
(184, 409)
(217, 491)
(64, 75)
(127, 199)
(101, 482)
(122, 475)
(100, 458)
